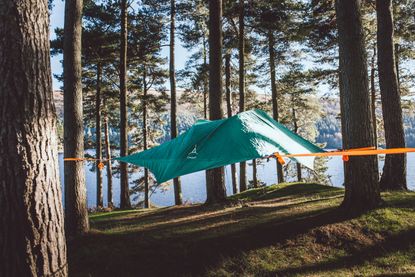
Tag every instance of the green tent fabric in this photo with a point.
(210, 144)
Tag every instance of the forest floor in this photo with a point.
(285, 230)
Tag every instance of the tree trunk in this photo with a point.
(299, 173)
(241, 52)
(206, 81)
(205, 90)
(76, 209)
(173, 116)
(274, 97)
(397, 66)
(125, 193)
(394, 170)
(254, 174)
(109, 165)
(373, 96)
(32, 239)
(215, 186)
(229, 111)
(361, 178)
(343, 124)
(146, 184)
(98, 148)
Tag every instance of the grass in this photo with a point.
(285, 230)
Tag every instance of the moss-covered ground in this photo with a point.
(283, 230)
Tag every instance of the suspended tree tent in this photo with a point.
(210, 144)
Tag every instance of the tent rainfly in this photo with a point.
(210, 144)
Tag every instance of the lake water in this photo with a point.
(193, 185)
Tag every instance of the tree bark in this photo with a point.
(173, 116)
(398, 78)
(109, 165)
(361, 174)
(373, 96)
(254, 174)
(76, 213)
(206, 82)
(394, 170)
(205, 89)
(241, 51)
(229, 111)
(215, 186)
(98, 139)
(32, 239)
(125, 193)
(274, 92)
(146, 184)
(298, 165)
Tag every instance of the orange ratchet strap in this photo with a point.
(365, 151)
(100, 164)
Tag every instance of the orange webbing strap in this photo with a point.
(366, 151)
(100, 163)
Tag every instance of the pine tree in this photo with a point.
(277, 28)
(76, 214)
(173, 104)
(241, 55)
(98, 138)
(404, 43)
(32, 239)
(215, 185)
(194, 33)
(229, 113)
(125, 195)
(110, 199)
(299, 109)
(394, 169)
(99, 54)
(361, 173)
(148, 100)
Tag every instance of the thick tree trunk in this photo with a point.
(274, 97)
(215, 186)
(145, 129)
(241, 52)
(394, 170)
(32, 239)
(125, 193)
(173, 116)
(373, 96)
(361, 174)
(76, 213)
(229, 112)
(98, 139)
(110, 199)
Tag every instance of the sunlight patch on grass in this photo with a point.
(257, 230)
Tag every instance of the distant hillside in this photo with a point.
(58, 98)
(328, 126)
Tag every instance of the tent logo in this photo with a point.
(193, 155)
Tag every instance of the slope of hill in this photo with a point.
(285, 230)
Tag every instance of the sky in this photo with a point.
(57, 20)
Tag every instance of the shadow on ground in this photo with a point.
(188, 241)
